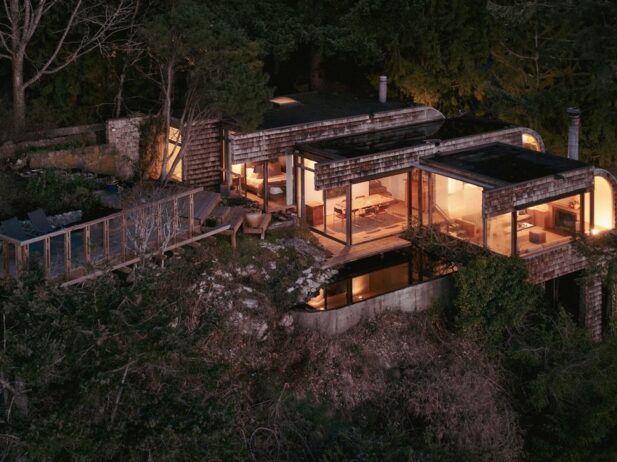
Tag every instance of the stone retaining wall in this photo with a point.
(418, 297)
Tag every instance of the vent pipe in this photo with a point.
(383, 88)
(574, 114)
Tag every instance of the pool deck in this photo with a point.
(341, 254)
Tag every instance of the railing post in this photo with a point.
(123, 238)
(6, 257)
(176, 218)
(106, 240)
(19, 258)
(87, 256)
(191, 214)
(47, 257)
(159, 223)
(67, 256)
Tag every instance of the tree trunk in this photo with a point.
(167, 88)
(317, 77)
(19, 96)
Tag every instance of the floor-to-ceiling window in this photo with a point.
(457, 208)
(379, 207)
(603, 207)
(266, 180)
(551, 223)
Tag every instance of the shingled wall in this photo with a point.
(203, 161)
(591, 306)
(339, 172)
(269, 144)
(502, 200)
(553, 262)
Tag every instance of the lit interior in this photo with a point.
(250, 179)
(604, 208)
(174, 144)
(458, 208)
(530, 142)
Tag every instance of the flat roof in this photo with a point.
(500, 164)
(377, 141)
(300, 108)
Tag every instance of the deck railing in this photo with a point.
(87, 249)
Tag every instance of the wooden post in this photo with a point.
(325, 218)
(106, 240)
(176, 221)
(592, 217)
(87, 256)
(302, 211)
(18, 258)
(484, 230)
(348, 219)
(582, 212)
(67, 256)
(420, 199)
(159, 223)
(513, 243)
(266, 193)
(123, 238)
(6, 257)
(47, 257)
(430, 199)
(191, 214)
(25, 252)
(409, 192)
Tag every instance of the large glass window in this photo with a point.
(457, 208)
(174, 145)
(251, 178)
(277, 183)
(547, 224)
(335, 213)
(378, 207)
(499, 234)
(604, 205)
(254, 181)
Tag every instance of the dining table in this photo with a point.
(364, 202)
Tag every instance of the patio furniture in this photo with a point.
(260, 228)
(537, 237)
(235, 219)
(366, 205)
(39, 221)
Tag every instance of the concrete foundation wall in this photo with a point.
(415, 298)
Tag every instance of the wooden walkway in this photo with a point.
(341, 254)
(87, 250)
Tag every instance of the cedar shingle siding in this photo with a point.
(268, 144)
(203, 162)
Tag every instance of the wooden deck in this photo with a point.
(86, 250)
(342, 254)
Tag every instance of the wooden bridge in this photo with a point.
(86, 250)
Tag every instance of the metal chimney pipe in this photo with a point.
(574, 114)
(383, 88)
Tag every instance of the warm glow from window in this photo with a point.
(284, 101)
(174, 145)
(530, 142)
(603, 204)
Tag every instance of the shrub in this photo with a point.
(493, 299)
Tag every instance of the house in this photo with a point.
(358, 170)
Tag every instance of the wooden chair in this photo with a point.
(261, 227)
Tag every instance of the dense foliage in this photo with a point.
(562, 385)
(523, 61)
(53, 191)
